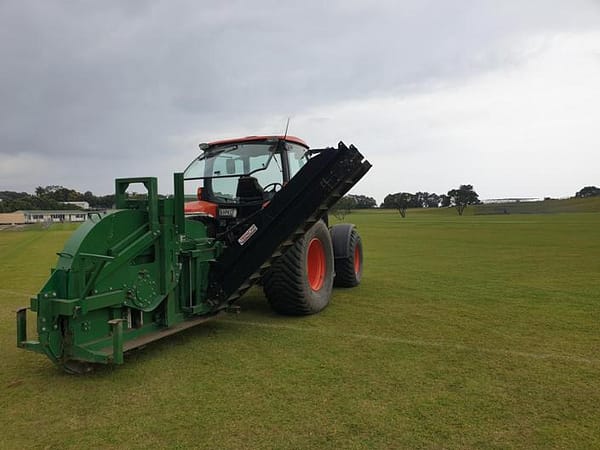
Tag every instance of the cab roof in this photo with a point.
(288, 138)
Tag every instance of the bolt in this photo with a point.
(43, 328)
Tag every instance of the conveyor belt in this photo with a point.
(254, 244)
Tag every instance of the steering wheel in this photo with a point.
(272, 187)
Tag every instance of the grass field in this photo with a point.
(467, 332)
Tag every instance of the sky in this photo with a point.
(501, 95)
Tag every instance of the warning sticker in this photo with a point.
(247, 234)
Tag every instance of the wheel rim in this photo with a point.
(356, 260)
(316, 264)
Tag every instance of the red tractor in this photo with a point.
(237, 178)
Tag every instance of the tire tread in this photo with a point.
(285, 283)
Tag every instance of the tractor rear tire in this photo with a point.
(348, 254)
(300, 282)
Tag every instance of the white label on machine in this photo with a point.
(247, 234)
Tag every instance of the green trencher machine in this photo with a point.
(156, 265)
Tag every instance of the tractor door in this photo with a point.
(297, 156)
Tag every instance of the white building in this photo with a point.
(54, 216)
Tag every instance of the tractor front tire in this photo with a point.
(300, 282)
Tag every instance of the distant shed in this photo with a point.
(24, 217)
(13, 218)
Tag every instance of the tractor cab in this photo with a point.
(235, 178)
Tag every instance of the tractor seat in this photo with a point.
(249, 190)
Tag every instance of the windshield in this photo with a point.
(222, 166)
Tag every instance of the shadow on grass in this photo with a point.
(253, 306)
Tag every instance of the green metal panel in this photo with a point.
(120, 279)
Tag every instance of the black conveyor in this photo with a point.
(255, 243)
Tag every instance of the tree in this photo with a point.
(343, 207)
(463, 196)
(50, 198)
(362, 201)
(15, 201)
(419, 200)
(347, 203)
(404, 201)
(588, 191)
(104, 201)
(400, 201)
(432, 201)
(59, 194)
(444, 201)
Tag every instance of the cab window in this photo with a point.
(297, 157)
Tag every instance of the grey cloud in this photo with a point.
(120, 78)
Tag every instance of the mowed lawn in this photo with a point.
(467, 332)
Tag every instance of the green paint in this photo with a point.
(123, 275)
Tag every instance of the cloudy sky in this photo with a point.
(504, 95)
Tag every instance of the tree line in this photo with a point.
(588, 191)
(51, 198)
(349, 202)
(460, 198)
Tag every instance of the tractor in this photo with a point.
(246, 211)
